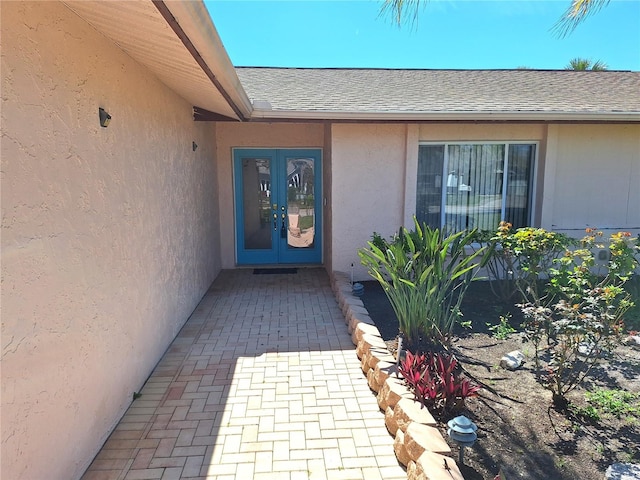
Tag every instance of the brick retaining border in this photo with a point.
(418, 444)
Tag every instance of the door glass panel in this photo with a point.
(256, 197)
(301, 216)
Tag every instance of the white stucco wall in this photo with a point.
(109, 235)
(252, 135)
(592, 178)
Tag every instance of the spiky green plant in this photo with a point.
(425, 275)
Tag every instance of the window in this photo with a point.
(463, 186)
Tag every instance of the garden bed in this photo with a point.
(519, 432)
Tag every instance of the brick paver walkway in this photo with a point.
(261, 383)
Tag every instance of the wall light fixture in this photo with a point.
(105, 118)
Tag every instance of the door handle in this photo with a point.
(275, 221)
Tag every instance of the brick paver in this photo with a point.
(262, 382)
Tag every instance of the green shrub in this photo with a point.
(503, 329)
(520, 261)
(586, 314)
(500, 267)
(425, 276)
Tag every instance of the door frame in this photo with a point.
(276, 255)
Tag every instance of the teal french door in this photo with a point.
(278, 206)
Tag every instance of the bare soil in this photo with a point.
(519, 431)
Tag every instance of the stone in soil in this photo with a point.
(512, 360)
(623, 471)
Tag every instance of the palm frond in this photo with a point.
(577, 12)
(583, 64)
(402, 11)
(599, 66)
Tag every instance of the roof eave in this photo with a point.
(194, 19)
(475, 116)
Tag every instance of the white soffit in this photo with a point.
(194, 19)
(139, 29)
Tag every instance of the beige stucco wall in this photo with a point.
(368, 175)
(374, 170)
(109, 235)
(252, 135)
(462, 132)
(586, 175)
(592, 178)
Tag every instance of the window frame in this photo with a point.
(506, 143)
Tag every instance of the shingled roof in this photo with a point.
(442, 94)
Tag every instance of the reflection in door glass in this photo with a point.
(256, 196)
(300, 202)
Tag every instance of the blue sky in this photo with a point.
(469, 34)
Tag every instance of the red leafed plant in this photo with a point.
(436, 381)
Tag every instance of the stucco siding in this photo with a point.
(368, 174)
(256, 135)
(593, 178)
(586, 175)
(374, 169)
(109, 235)
(462, 132)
